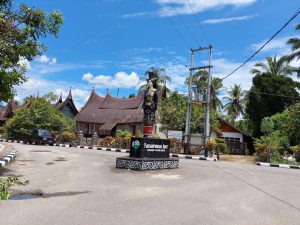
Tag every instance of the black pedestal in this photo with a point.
(146, 163)
(148, 154)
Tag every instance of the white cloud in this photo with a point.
(24, 62)
(229, 19)
(40, 86)
(120, 80)
(276, 46)
(46, 59)
(133, 15)
(182, 6)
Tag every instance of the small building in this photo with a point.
(8, 111)
(106, 115)
(238, 142)
(67, 106)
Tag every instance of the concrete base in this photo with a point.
(146, 163)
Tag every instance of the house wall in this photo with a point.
(197, 139)
(130, 127)
(87, 128)
(233, 135)
(67, 110)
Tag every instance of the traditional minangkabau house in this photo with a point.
(106, 115)
(8, 111)
(67, 106)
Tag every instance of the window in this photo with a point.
(231, 139)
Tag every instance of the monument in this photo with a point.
(149, 153)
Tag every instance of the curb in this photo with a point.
(7, 159)
(192, 157)
(278, 165)
(122, 150)
(105, 149)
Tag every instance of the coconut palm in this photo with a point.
(235, 105)
(295, 46)
(199, 79)
(273, 66)
(162, 78)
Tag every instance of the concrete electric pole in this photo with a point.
(206, 133)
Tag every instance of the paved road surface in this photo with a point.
(84, 187)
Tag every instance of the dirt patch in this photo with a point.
(49, 163)
(8, 149)
(244, 159)
(41, 151)
(30, 194)
(58, 159)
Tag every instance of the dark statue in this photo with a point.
(150, 100)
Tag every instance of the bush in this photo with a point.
(67, 137)
(296, 151)
(106, 142)
(210, 146)
(221, 145)
(6, 184)
(1, 130)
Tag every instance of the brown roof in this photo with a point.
(8, 110)
(110, 111)
(69, 100)
(110, 102)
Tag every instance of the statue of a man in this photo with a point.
(150, 100)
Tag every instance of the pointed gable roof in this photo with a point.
(68, 101)
(9, 110)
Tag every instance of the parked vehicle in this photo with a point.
(40, 136)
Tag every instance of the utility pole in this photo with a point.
(206, 134)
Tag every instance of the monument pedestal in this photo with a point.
(148, 154)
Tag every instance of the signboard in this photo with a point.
(175, 134)
(150, 148)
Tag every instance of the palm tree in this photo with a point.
(273, 66)
(235, 105)
(199, 79)
(162, 78)
(295, 46)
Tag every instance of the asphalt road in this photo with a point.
(83, 186)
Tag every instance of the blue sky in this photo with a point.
(111, 43)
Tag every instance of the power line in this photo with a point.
(255, 53)
(186, 26)
(180, 35)
(271, 94)
(103, 29)
(196, 18)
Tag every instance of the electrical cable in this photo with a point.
(196, 18)
(103, 29)
(270, 39)
(180, 35)
(186, 26)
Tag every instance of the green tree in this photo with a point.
(22, 28)
(38, 115)
(271, 93)
(200, 79)
(162, 78)
(235, 105)
(172, 114)
(274, 67)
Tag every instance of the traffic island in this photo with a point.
(148, 154)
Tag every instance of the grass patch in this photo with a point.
(246, 159)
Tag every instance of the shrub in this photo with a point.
(221, 145)
(106, 142)
(296, 151)
(6, 184)
(210, 146)
(67, 136)
(1, 130)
